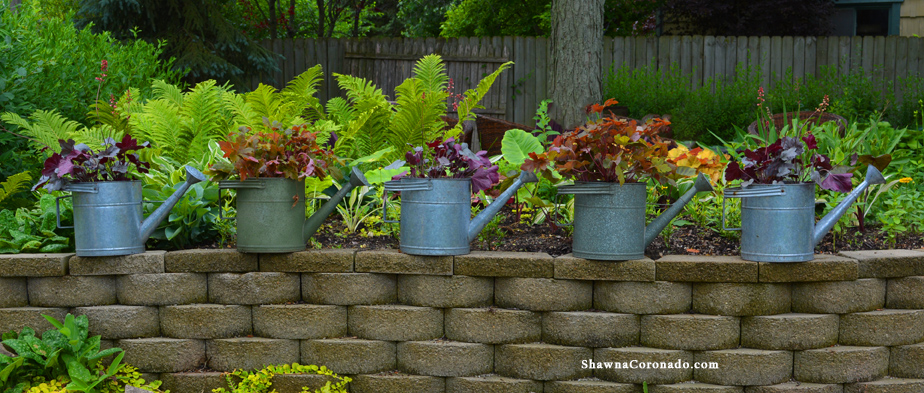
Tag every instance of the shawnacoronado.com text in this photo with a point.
(635, 364)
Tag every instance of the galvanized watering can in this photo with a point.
(108, 215)
(436, 213)
(271, 212)
(778, 220)
(609, 218)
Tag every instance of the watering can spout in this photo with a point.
(873, 176)
(658, 224)
(149, 224)
(314, 222)
(478, 223)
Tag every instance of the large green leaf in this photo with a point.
(517, 144)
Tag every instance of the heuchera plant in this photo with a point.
(612, 149)
(78, 163)
(446, 159)
(293, 153)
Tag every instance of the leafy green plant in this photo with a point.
(261, 381)
(35, 229)
(13, 185)
(355, 209)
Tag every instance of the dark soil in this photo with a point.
(510, 235)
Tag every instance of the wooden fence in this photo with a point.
(515, 95)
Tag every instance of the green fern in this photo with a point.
(302, 91)
(47, 127)
(13, 184)
(473, 97)
(432, 73)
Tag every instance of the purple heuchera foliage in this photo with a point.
(78, 163)
(450, 160)
(782, 161)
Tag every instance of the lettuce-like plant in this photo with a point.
(446, 159)
(78, 163)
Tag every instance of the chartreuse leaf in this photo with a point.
(517, 144)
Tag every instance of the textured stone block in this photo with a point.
(299, 321)
(20, 317)
(491, 384)
(396, 383)
(311, 261)
(13, 292)
(117, 322)
(542, 362)
(824, 267)
(838, 297)
(34, 265)
(590, 329)
(695, 387)
(571, 268)
(589, 385)
(905, 292)
(882, 328)
(163, 355)
(907, 361)
(293, 383)
(690, 331)
(445, 291)
(350, 356)
(205, 321)
(842, 364)
(894, 385)
(147, 262)
(345, 289)
(395, 262)
(659, 297)
(442, 358)
(162, 289)
(250, 353)
(210, 261)
(796, 387)
(253, 288)
(700, 268)
(505, 264)
(744, 366)
(395, 323)
(637, 365)
(789, 331)
(193, 382)
(741, 299)
(72, 291)
(887, 263)
(493, 325)
(543, 294)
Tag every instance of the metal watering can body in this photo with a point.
(436, 213)
(609, 218)
(778, 220)
(108, 215)
(271, 212)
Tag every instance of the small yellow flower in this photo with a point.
(905, 180)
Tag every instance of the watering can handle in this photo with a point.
(58, 210)
(385, 208)
(221, 210)
(555, 210)
(725, 228)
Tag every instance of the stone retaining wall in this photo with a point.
(493, 322)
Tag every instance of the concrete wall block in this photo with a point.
(543, 294)
(205, 321)
(397, 383)
(905, 292)
(148, 262)
(350, 356)
(590, 329)
(491, 384)
(505, 264)
(163, 355)
(118, 322)
(34, 265)
(744, 366)
(823, 268)
(695, 387)
(589, 385)
(395, 322)
(907, 361)
(886, 386)
(72, 291)
(741, 299)
(299, 321)
(796, 387)
(570, 268)
(882, 328)
(13, 292)
(792, 332)
(635, 365)
(887, 263)
(254, 288)
(445, 291)
(690, 331)
(193, 382)
(542, 362)
(701, 268)
(841, 364)
(20, 317)
(250, 353)
(659, 297)
(839, 297)
(445, 358)
(162, 289)
(493, 325)
(293, 383)
(310, 261)
(395, 262)
(210, 261)
(346, 289)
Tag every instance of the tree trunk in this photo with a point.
(14, 4)
(321, 16)
(576, 59)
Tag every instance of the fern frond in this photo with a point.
(166, 91)
(417, 118)
(203, 119)
(242, 114)
(473, 97)
(47, 127)
(13, 184)
(159, 122)
(340, 111)
(302, 91)
(431, 72)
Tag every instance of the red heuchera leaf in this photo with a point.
(810, 142)
(839, 182)
(293, 154)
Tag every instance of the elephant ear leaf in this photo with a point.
(517, 144)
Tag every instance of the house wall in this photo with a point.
(912, 18)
